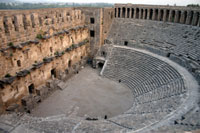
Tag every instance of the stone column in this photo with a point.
(170, 16)
(198, 21)
(143, 14)
(148, 13)
(182, 17)
(194, 20)
(121, 13)
(188, 17)
(130, 12)
(176, 16)
(126, 12)
(154, 14)
(165, 15)
(140, 13)
(135, 12)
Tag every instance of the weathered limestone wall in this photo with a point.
(108, 16)
(183, 15)
(99, 21)
(37, 45)
(15, 59)
(20, 26)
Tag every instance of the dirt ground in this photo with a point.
(87, 94)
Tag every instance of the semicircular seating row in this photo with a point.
(158, 89)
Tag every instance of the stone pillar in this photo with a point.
(140, 13)
(165, 15)
(143, 14)
(121, 12)
(130, 12)
(194, 20)
(170, 16)
(154, 14)
(182, 17)
(176, 16)
(148, 13)
(198, 21)
(126, 12)
(188, 17)
(135, 12)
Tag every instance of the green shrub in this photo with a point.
(39, 36)
(8, 75)
(10, 44)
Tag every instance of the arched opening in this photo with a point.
(179, 17)
(31, 89)
(161, 15)
(173, 16)
(191, 17)
(53, 72)
(115, 12)
(123, 12)
(167, 15)
(119, 10)
(141, 17)
(156, 14)
(51, 49)
(185, 17)
(151, 14)
(128, 12)
(69, 63)
(132, 13)
(137, 13)
(145, 17)
(18, 63)
(100, 65)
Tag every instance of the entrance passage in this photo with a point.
(100, 65)
(31, 88)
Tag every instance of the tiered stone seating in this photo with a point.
(181, 40)
(157, 87)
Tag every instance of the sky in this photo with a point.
(152, 2)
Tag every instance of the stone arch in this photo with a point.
(137, 13)
(18, 63)
(132, 13)
(167, 15)
(69, 63)
(178, 16)
(31, 88)
(191, 17)
(185, 17)
(142, 11)
(145, 15)
(151, 14)
(119, 10)
(161, 14)
(156, 14)
(123, 12)
(173, 16)
(128, 12)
